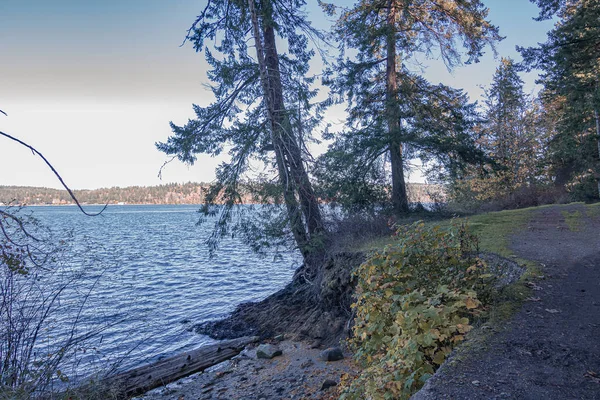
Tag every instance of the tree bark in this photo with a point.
(292, 173)
(399, 197)
(597, 142)
(287, 186)
(147, 377)
(292, 150)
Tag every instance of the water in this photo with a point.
(148, 268)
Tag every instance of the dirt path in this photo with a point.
(551, 348)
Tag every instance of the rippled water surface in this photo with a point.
(151, 271)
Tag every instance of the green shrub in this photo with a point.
(414, 300)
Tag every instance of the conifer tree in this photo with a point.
(262, 109)
(511, 136)
(383, 95)
(570, 62)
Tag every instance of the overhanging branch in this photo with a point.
(36, 152)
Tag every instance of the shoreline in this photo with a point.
(298, 373)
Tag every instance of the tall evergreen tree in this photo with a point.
(381, 90)
(262, 109)
(570, 62)
(513, 140)
(437, 125)
(510, 130)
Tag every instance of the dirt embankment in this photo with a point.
(551, 348)
(314, 309)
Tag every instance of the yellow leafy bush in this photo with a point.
(414, 300)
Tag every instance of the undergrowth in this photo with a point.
(415, 302)
(418, 297)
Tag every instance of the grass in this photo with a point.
(593, 210)
(572, 219)
(493, 229)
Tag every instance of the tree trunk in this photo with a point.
(292, 173)
(598, 142)
(147, 377)
(308, 200)
(399, 197)
(287, 185)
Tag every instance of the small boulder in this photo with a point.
(328, 383)
(332, 354)
(268, 351)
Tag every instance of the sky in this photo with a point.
(93, 85)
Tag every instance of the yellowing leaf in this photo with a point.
(458, 338)
(471, 303)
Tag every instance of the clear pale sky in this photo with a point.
(93, 85)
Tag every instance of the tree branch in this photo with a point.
(36, 152)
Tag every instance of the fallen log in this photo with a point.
(147, 377)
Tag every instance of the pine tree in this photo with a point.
(570, 62)
(262, 112)
(385, 106)
(510, 131)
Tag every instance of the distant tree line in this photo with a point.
(172, 193)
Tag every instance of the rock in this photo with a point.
(328, 383)
(332, 354)
(268, 351)
(221, 374)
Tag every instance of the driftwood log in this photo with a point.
(147, 377)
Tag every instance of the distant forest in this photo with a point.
(172, 193)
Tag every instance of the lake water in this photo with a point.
(148, 267)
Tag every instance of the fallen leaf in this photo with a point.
(470, 303)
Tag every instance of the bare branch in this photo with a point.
(164, 165)
(36, 152)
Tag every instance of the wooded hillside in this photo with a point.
(172, 193)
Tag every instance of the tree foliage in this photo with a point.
(394, 112)
(570, 65)
(513, 139)
(263, 109)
